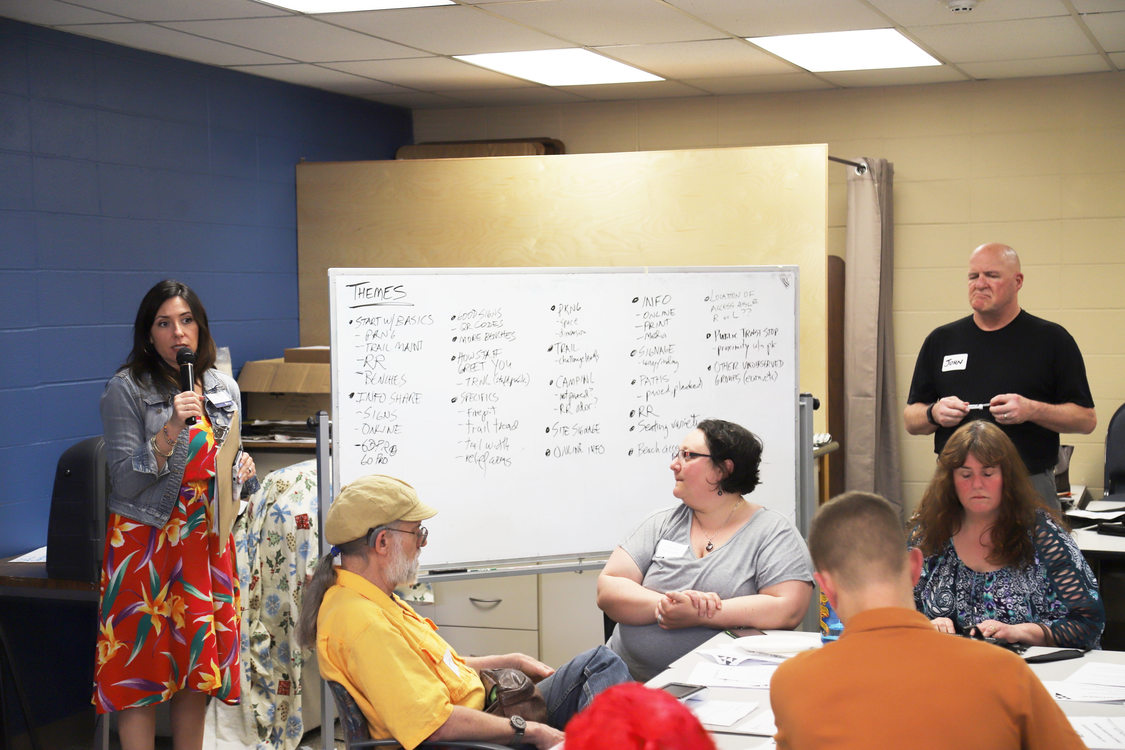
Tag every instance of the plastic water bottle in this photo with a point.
(830, 625)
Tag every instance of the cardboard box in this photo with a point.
(277, 390)
(314, 354)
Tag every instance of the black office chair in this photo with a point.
(356, 735)
(1115, 457)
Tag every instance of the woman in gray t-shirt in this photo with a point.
(714, 562)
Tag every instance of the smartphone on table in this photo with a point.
(681, 690)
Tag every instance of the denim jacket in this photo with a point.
(132, 413)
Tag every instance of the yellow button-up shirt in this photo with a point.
(404, 676)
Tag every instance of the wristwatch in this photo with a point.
(518, 725)
(930, 414)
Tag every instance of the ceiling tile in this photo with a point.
(1008, 40)
(693, 43)
(1037, 67)
(711, 59)
(893, 77)
(316, 76)
(1096, 6)
(759, 84)
(647, 90)
(937, 12)
(174, 43)
(447, 30)
(1108, 29)
(296, 38)
(178, 10)
(51, 13)
(430, 73)
(769, 17)
(597, 22)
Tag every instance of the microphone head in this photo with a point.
(185, 356)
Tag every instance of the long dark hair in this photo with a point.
(144, 360)
(940, 514)
(727, 440)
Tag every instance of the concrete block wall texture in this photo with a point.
(1035, 163)
(120, 168)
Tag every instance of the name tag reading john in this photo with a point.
(669, 549)
(954, 362)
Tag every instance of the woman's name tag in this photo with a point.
(669, 549)
(221, 398)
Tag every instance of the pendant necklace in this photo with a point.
(711, 545)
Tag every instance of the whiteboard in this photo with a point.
(538, 409)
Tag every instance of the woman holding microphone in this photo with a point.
(169, 610)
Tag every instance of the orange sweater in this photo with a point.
(892, 681)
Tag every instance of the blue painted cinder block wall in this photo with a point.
(119, 168)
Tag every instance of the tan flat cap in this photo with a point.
(371, 501)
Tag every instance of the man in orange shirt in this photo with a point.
(892, 680)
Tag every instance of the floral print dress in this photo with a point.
(169, 614)
(1057, 588)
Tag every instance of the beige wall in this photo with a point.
(705, 207)
(1036, 163)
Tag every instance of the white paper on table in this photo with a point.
(731, 655)
(719, 713)
(740, 676)
(1100, 732)
(1084, 692)
(1099, 673)
(35, 556)
(760, 723)
(779, 644)
(1109, 514)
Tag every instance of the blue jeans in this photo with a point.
(574, 685)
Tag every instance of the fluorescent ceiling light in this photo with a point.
(344, 6)
(869, 49)
(560, 67)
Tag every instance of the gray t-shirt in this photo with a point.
(767, 550)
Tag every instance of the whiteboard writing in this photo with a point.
(538, 410)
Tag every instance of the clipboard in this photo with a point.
(227, 486)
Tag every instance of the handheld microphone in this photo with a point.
(185, 358)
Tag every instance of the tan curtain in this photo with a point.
(872, 413)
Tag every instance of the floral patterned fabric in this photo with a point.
(275, 538)
(168, 619)
(1057, 588)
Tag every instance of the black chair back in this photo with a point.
(1115, 454)
(357, 737)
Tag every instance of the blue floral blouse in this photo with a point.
(1057, 588)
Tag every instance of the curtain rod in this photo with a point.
(859, 168)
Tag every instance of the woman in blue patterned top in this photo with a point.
(996, 558)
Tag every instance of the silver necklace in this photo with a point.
(711, 545)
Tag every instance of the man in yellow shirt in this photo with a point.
(410, 684)
(892, 680)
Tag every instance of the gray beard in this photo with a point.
(403, 569)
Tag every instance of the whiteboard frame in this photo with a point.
(580, 558)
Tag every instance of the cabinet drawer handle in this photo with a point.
(489, 603)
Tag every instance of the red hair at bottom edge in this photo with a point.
(631, 716)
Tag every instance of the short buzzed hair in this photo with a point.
(858, 538)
